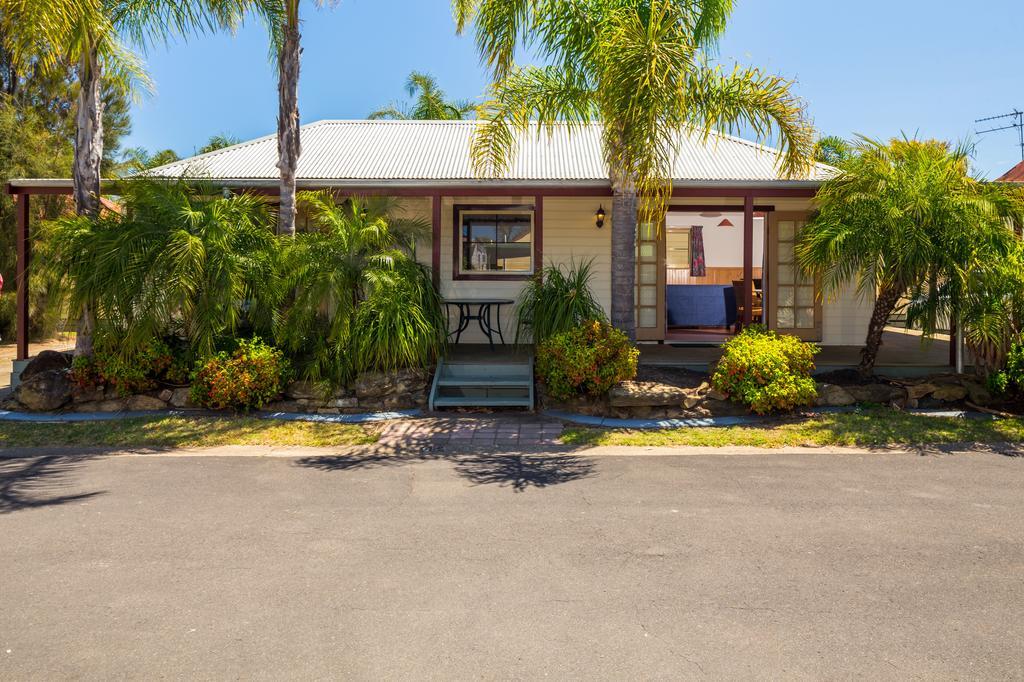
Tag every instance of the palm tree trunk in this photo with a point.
(86, 168)
(288, 145)
(885, 303)
(624, 205)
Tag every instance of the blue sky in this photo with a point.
(876, 67)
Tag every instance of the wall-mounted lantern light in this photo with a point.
(599, 217)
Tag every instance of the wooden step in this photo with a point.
(499, 384)
(483, 402)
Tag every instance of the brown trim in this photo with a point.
(435, 244)
(742, 192)
(537, 237)
(748, 261)
(733, 208)
(18, 191)
(24, 246)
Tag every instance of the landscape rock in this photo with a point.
(328, 410)
(715, 394)
(181, 397)
(950, 393)
(45, 391)
(145, 403)
(290, 406)
(724, 408)
(86, 395)
(380, 385)
(830, 395)
(645, 394)
(303, 390)
(918, 391)
(691, 401)
(46, 361)
(978, 394)
(877, 393)
(166, 395)
(343, 402)
(116, 405)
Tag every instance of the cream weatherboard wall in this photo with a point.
(569, 234)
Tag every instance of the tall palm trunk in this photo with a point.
(288, 145)
(624, 205)
(86, 169)
(885, 303)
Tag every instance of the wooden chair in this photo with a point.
(756, 310)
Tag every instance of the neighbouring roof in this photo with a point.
(438, 152)
(1015, 174)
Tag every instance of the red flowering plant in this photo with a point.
(589, 360)
(250, 377)
(128, 371)
(766, 371)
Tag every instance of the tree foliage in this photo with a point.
(429, 103)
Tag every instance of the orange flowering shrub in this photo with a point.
(249, 378)
(589, 359)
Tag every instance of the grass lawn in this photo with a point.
(183, 432)
(870, 428)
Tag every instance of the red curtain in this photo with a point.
(697, 268)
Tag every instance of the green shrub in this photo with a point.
(249, 378)
(556, 300)
(1010, 379)
(129, 372)
(589, 359)
(766, 371)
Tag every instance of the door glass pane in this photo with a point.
(646, 231)
(784, 318)
(648, 317)
(804, 296)
(787, 230)
(786, 296)
(785, 252)
(648, 274)
(647, 251)
(805, 318)
(787, 274)
(649, 296)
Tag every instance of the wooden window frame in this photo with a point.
(535, 239)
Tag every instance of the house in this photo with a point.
(1015, 174)
(732, 220)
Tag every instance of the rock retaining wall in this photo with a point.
(47, 387)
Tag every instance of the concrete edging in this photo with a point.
(72, 417)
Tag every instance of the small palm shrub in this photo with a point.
(586, 360)
(248, 378)
(765, 371)
(556, 300)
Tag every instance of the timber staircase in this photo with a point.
(461, 383)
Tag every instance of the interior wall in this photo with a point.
(723, 246)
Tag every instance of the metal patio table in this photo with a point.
(482, 317)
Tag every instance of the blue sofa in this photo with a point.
(700, 305)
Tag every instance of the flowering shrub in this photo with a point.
(766, 371)
(130, 372)
(250, 377)
(589, 359)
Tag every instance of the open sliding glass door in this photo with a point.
(650, 282)
(794, 303)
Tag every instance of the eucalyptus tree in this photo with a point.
(907, 219)
(643, 69)
(98, 36)
(429, 103)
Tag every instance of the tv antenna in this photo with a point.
(1017, 124)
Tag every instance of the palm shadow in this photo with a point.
(36, 482)
(517, 471)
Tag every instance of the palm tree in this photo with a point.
(430, 103)
(641, 68)
(288, 43)
(905, 218)
(832, 150)
(180, 258)
(357, 299)
(94, 34)
(216, 142)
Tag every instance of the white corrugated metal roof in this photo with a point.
(438, 151)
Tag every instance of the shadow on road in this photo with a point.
(518, 471)
(36, 482)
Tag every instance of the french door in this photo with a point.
(649, 293)
(794, 301)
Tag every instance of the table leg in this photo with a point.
(484, 319)
(500, 335)
(463, 321)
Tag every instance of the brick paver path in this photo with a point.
(473, 431)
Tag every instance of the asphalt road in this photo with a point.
(796, 566)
